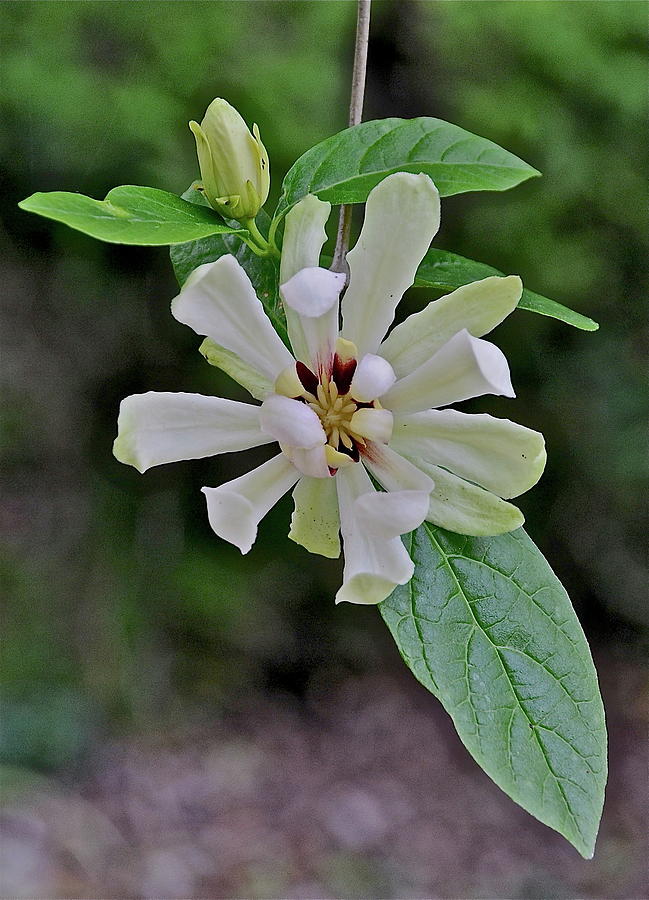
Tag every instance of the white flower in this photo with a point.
(348, 406)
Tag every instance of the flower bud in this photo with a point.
(234, 163)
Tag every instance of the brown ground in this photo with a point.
(365, 792)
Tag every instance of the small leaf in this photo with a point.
(131, 215)
(345, 167)
(445, 271)
(488, 628)
(262, 271)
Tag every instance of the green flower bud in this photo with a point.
(234, 163)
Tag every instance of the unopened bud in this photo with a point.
(233, 161)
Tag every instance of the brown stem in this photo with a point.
(339, 263)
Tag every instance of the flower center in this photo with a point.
(335, 411)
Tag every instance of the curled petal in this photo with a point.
(401, 219)
(291, 422)
(391, 514)
(156, 428)
(313, 295)
(478, 307)
(312, 462)
(372, 378)
(235, 509)
(393, 471)
(464, 367)
(219, 301)
(497, 454)
(374, 565)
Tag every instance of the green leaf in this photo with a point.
(488, 628)
(262, 271)
(131, 215)
(446, 271)
(345, 167)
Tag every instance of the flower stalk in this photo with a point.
(355, 115)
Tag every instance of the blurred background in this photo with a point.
(178, 721)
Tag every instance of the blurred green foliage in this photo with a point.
(125, 610)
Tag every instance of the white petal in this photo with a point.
(218, 301)
(156, 428)
(304, 235)
(313, 295)
(500, 455)
(315, 522)
(241, 372)
(372, 378)
(393, 471)
(465, 508)
(235, 509)
(389, 515)
(373, 424)
(464, 367)
(373, 565)
(311, 462)
(291, 422)
(401, 219)
(478, 307)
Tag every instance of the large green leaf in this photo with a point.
(130, 215)
(345, 167)
(488, 628)
(446, 271)
(262, 271)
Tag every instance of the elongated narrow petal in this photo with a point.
(291, 422)
(218, 301)
(393, 471)
(401, 219)
(235, 509)
(315, 522)
(391, 514)
(464, 367)
(478, 307)
(500, 455)
(241, 372)
(304, 236)
(374, 565)
(313, 295)
(156, 428)
(310, 461)
(465, 508)
(372, 378)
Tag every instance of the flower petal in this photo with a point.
(373, 424)
(478, 307)
(315, 522)
(311, 462)
(465, 508)
(393, 513)
(313, 295)
(401, 219)
(156, 428)
(241, 372)
(373, 565)
(236, 508)
(393, 471)
(372, 378)
(464, 367)
(291, 422)
(218, 301)
(304, 235)
(500, 455)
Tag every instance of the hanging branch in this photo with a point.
(355, 115)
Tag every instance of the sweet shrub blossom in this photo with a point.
(348, 407)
